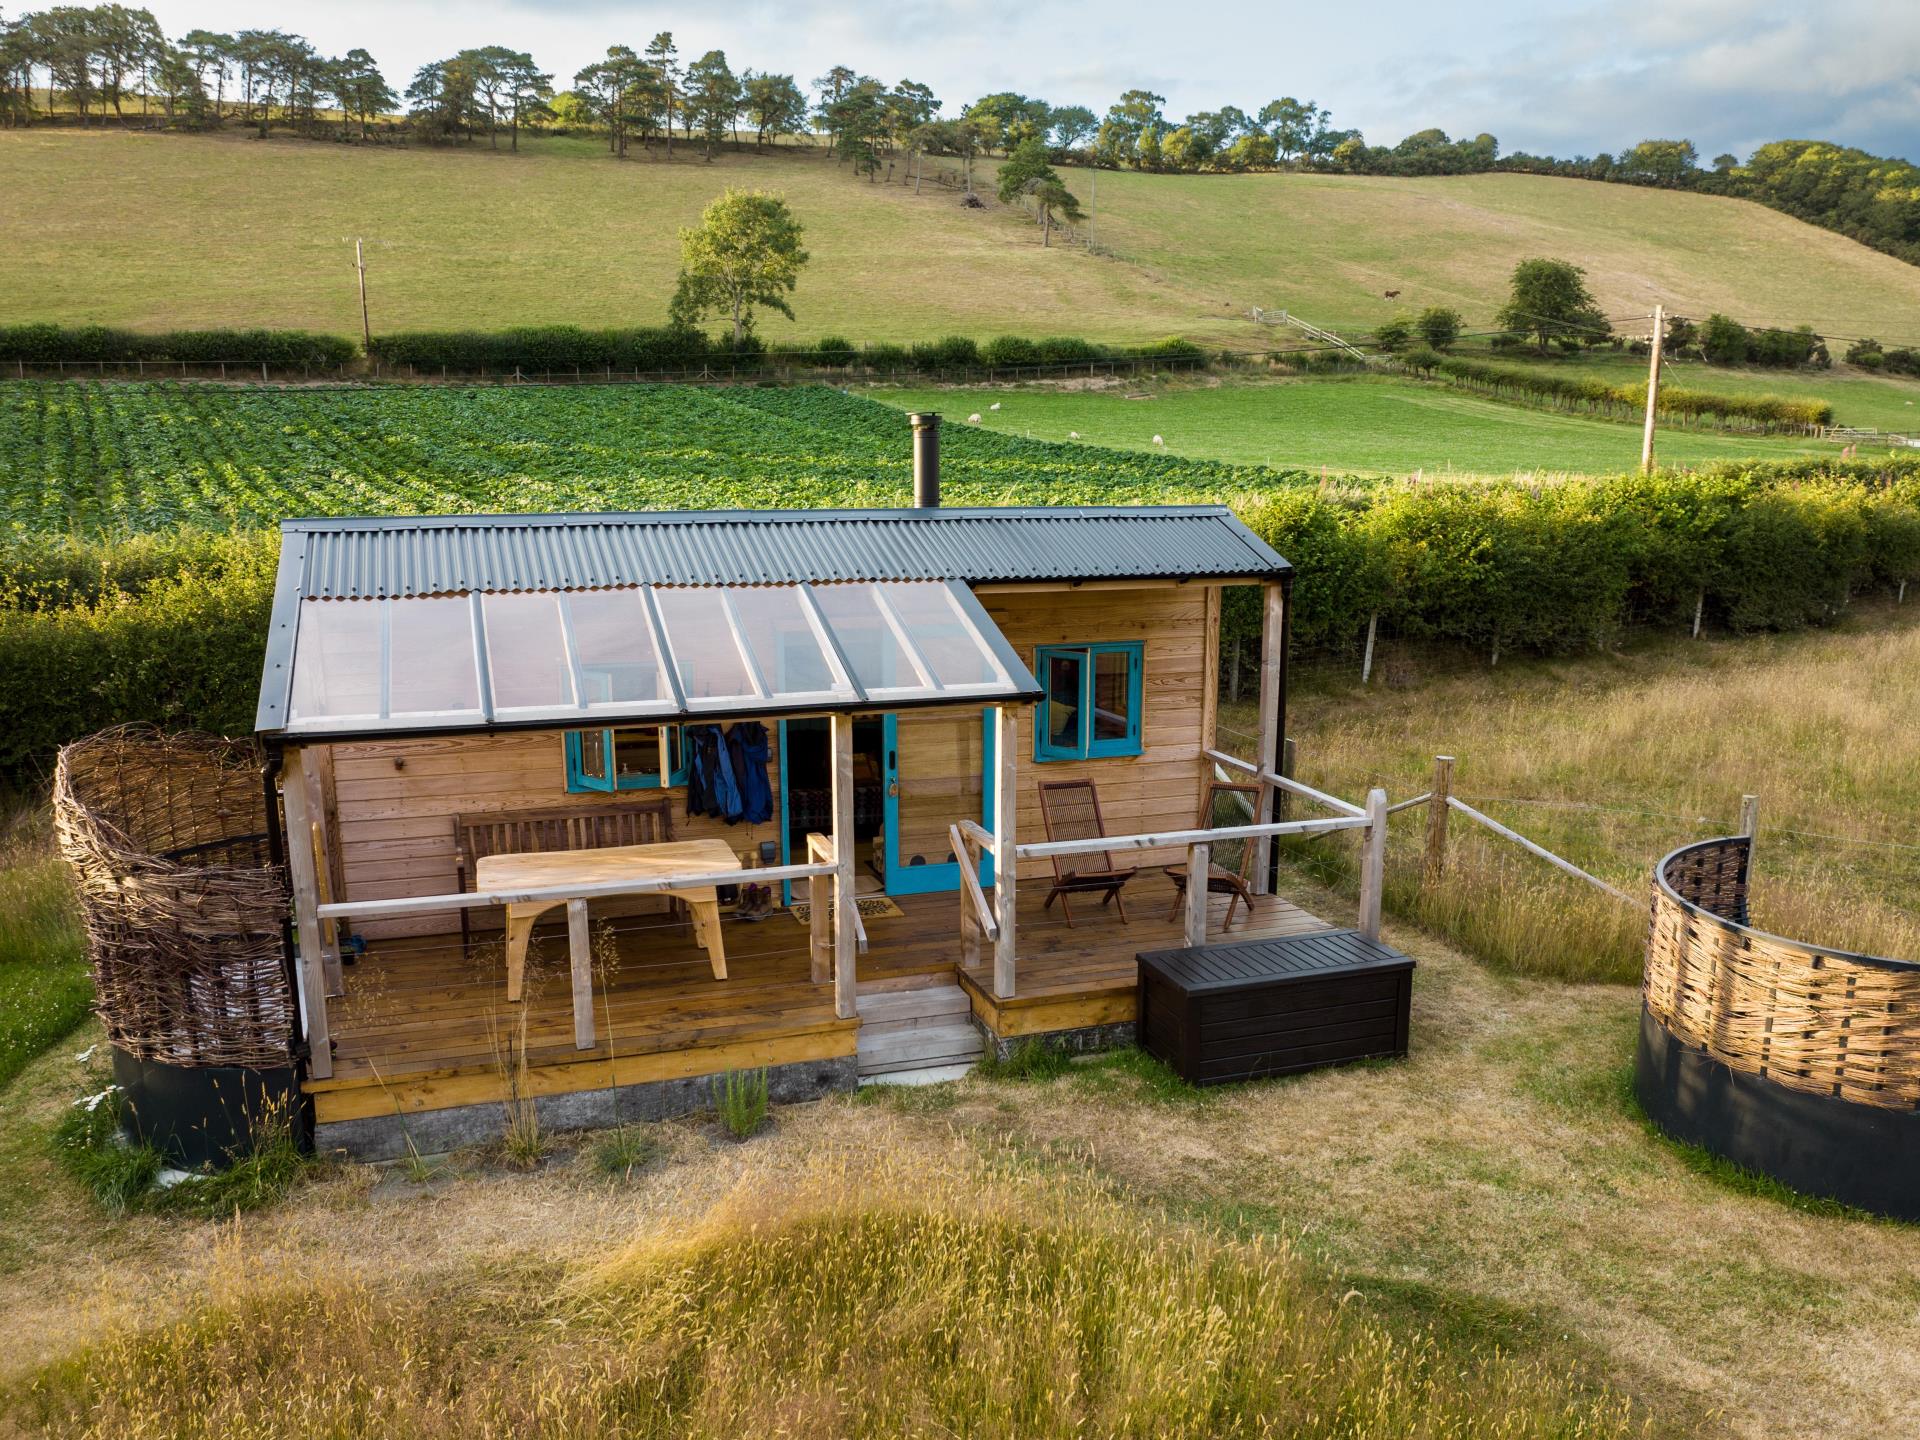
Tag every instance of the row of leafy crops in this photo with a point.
(114, 459)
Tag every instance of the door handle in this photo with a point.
(894, 789)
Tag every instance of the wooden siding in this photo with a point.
(1158, 789)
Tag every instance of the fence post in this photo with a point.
(1437, 808)
(1749, 815)
(1699, 611)
(1373, 863)
(1283, 801)
(1366, 661)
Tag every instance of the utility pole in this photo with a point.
(1093, 199)
(1653, 386)
(366, 331)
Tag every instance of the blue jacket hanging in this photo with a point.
(747, 742)
(711, 787)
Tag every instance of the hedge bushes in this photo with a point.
(1563, 567)
(278, 349)
(1747, 412)
(539, 348)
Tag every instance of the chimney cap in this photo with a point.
(923, 419)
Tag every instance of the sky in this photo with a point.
(1560, 77)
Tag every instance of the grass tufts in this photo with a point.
(618, 1153)
(740, 1101)
(1033, 1058)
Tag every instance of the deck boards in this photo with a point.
(420, 1023)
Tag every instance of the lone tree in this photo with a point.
(1550, 302)
(744, 253)
(1028, 173)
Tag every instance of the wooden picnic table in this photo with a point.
(613, 862)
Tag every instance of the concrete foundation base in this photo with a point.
(385, 1137)
(1083, 1041)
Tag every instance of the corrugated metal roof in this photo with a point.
(425, 555)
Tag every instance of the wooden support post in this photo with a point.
(1699, 612)
(969, 919)
(1272, 657)
(1653, 386)
(580, 958)
(1749, 815)
(1199, 856)
(1437, 811)
(1366, 660)
(1373, 862)
(819, 912)
(1006, 865)
(846, 905)
(306, 918)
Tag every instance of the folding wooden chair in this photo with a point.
(1225, 805)
(1071, 810)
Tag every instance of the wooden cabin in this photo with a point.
(499, 734)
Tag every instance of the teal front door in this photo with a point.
(935, 766)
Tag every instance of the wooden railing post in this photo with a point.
(1749, 815)
(306, 919)
(819, 913)
(1199, 856)
(1437, 808)
(1006, 864)
(1373, 862)
(846, 906)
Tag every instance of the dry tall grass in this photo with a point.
(1613, 760)
(854, 1299)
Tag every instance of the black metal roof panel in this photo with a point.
(440, 554)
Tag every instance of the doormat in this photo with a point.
(872, 907)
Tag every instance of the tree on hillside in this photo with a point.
(1550, 302)
(1055, 200)
(1661, 162)
(211, 55)
(664, 59)
(775, 105)
(361, 89)
(1439, 326)
(1130, 120)
(827, 90)
(1724, 164)
(744, 253)
(1028, 173)
(713, 98)
(1072, 125)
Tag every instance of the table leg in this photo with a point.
(580, 955)
(520, 923)
(706, 930)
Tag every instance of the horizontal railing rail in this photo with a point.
(970, 882)
(1287, 783)
(1172, 839)
(556, 894)
(1456, 803)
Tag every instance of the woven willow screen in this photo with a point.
(1816, 1020)
(184, 912)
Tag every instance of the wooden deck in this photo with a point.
(422, 1025)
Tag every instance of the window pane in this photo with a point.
(783, 643)
(336, 659)
(593, 755)
(526, 653)
(1112, 694)
(935, 625)
(618, 664)
(702, 643)
(1063, 701)
(873, 654)
(636, 754)
(430, 662)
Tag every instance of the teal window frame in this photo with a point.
(580, 781)
(1085, 746)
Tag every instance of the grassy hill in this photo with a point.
(159, 230)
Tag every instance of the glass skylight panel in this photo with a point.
(944, 637)
(782, 640)
(430, 656)
(340, 665)
(706, 656)
(527, 662)
(874, 653)
(612, 639)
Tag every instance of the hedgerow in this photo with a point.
(40, 344)
(1763, 413)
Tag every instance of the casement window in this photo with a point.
(1091, 701)
(626, 758)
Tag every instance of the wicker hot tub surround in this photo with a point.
(185, 915)
(1794, 1060)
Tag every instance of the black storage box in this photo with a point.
(1217, 1013)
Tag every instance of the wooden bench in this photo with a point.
(1216, 1013)
(528, 832)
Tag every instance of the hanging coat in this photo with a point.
(747, 744)
(711, 787)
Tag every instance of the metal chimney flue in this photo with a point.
(926, 460)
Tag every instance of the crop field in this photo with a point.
(1360, 424)
(91, 459)
(159, 231)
